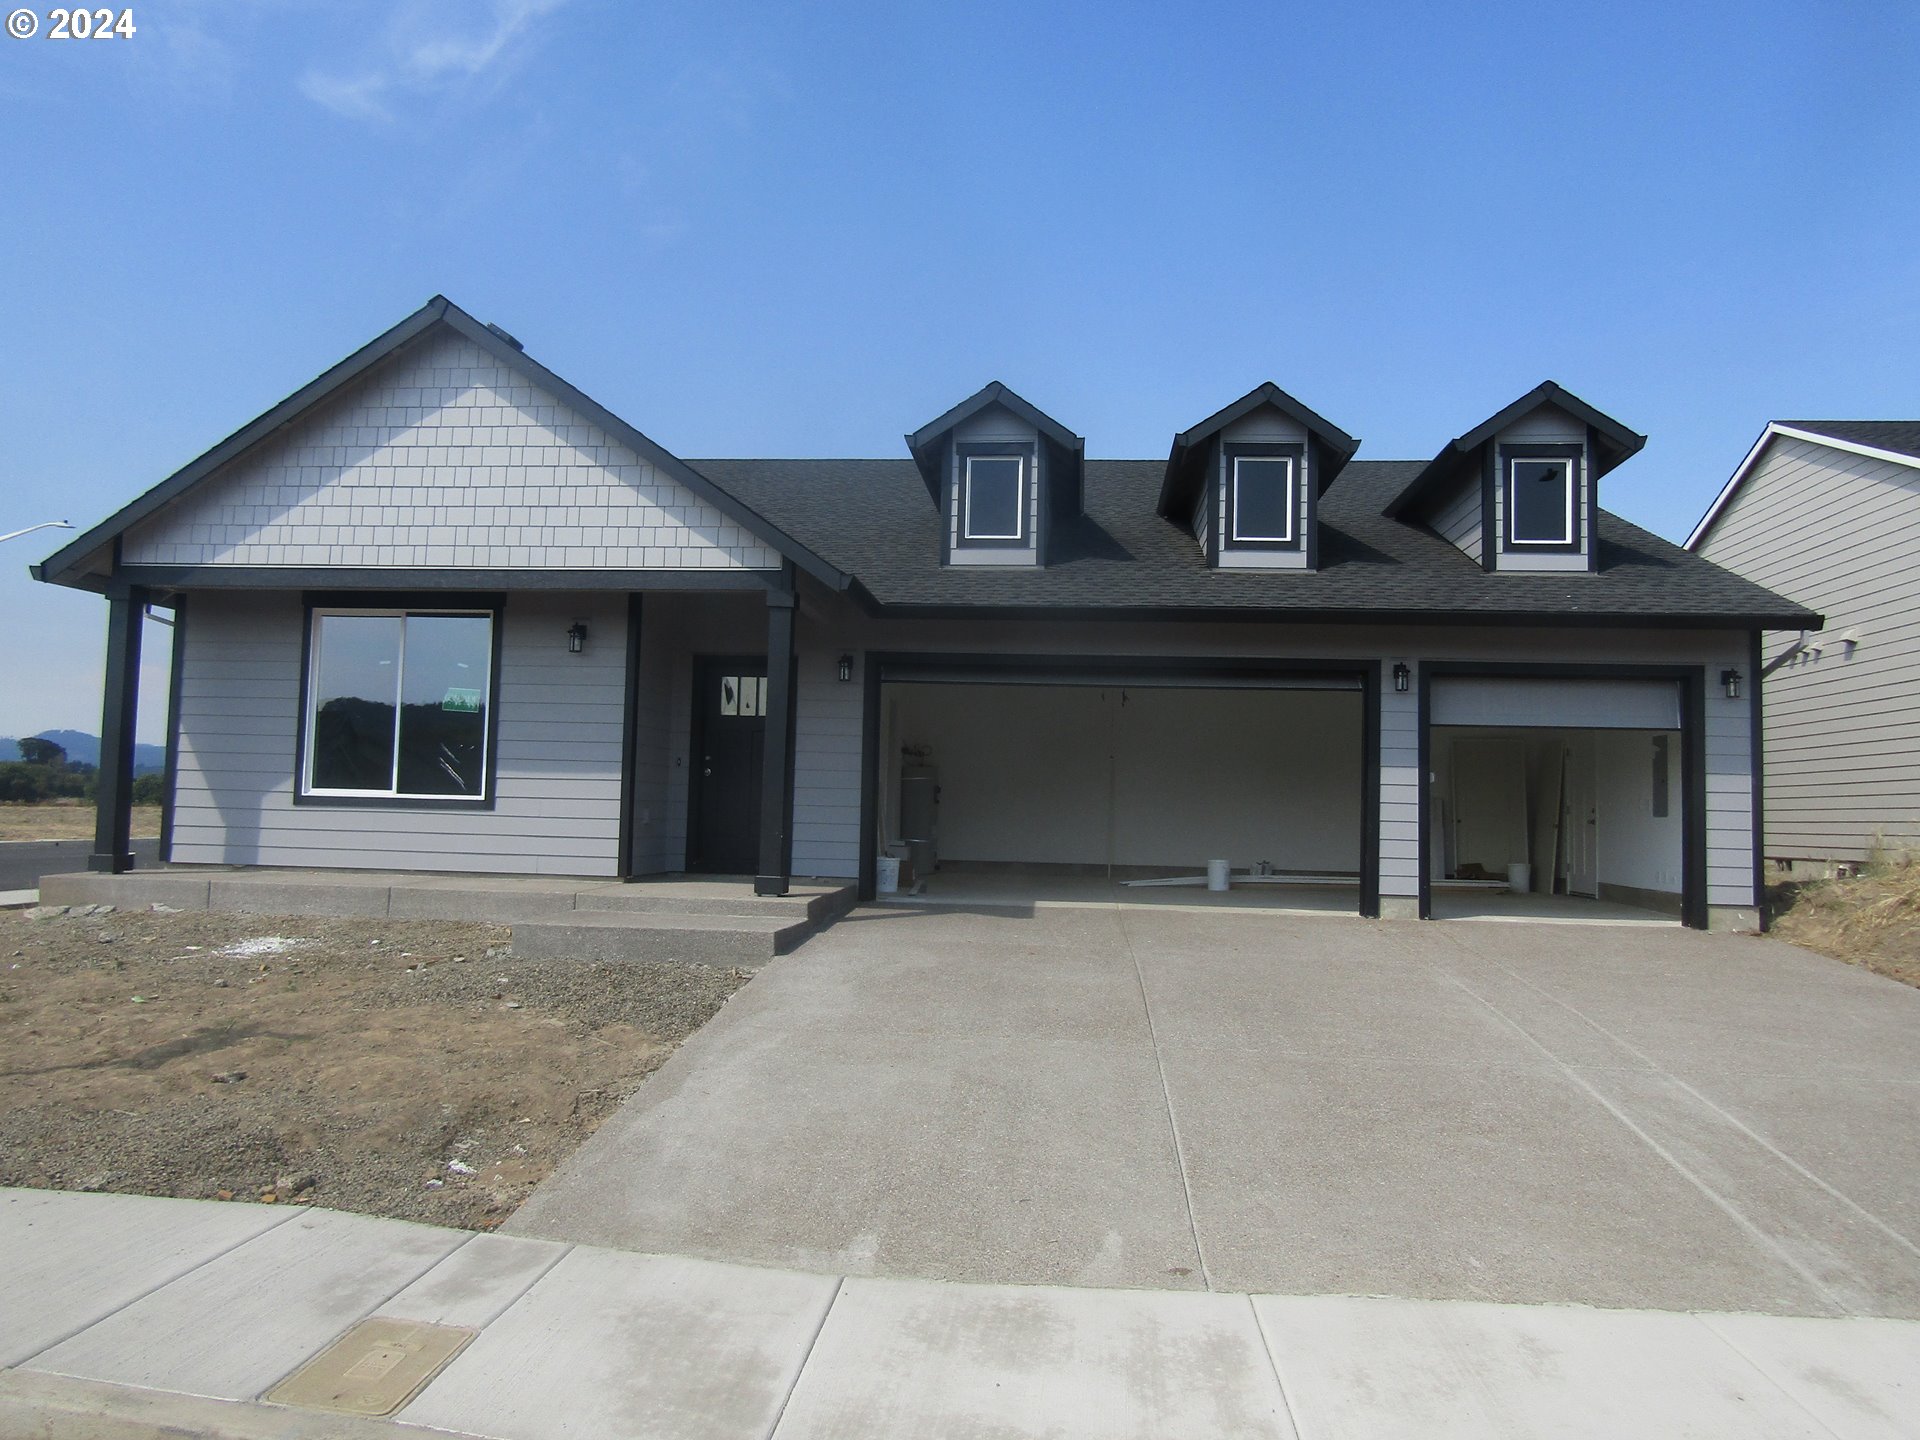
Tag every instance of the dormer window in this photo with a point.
(1264, 505)
(1005, 477)
(1247, 481)
(993, 496)
(1542, 489)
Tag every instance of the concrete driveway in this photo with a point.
(1241, 1102)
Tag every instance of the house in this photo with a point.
(439, 610)
(1828, 512)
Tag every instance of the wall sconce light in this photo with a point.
(577, 637)
(1730, 682)
(1401, 676)
(846, 667)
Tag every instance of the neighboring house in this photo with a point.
(1828, 512)
(441, 611)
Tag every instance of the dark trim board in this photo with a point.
(1493, 620)
(882, 667)
(271, 577)
(1692, 682)
(1756, 726)
(629, 738)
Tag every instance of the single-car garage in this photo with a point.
(1560, 796)
(1069, 781)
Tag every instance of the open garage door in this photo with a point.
(1556, 798)
(1062, 784)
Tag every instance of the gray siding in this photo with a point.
(557, 772)
(1458, 522)
(826, 763)
(1839, 533)
(1399, 784)
(445, 457)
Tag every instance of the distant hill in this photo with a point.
(84, 749)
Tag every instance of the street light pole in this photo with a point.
(43, 525)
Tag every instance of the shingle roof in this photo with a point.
(1900, 436)
(872, 518)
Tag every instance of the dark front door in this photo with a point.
(729, 729)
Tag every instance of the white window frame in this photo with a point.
(1565, 462)
(1234, 533)
(310, 711)
(1019, 535)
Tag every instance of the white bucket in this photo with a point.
(886, 874)
(1217, 871)
(1519, 878)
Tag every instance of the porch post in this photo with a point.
(113, 786)
(776, 770)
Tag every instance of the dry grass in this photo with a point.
(1872, 920)
(67, 820)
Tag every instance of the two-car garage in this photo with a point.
(1568, 792)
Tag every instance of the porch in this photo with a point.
(711, 920)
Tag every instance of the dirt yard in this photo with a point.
(405, 1068)
(67, 820)
(1871, 920)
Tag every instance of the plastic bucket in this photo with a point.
(1519, 878)
(886, 874)
(1217, 871)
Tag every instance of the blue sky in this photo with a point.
(774, 229)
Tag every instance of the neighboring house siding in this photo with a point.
(445, 458)
(557, 771)
(1840, 534)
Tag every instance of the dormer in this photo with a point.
(1004, 475)
(1520, 493)
(1247, 481)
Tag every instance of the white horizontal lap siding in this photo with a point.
(826, 765)
(1838, 533)
(556, 770)
(445, 458)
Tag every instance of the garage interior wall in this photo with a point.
(1636, 849)
(1156, 777)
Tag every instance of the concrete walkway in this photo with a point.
(124, 1316)
(1613, 1116)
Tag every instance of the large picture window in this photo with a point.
(1540, 496)
(398, 704)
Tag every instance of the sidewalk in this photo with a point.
(108, 1298)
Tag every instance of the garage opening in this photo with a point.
(1556, 799)
(1018, 790)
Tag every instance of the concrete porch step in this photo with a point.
(816, 904)
(615, 936)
